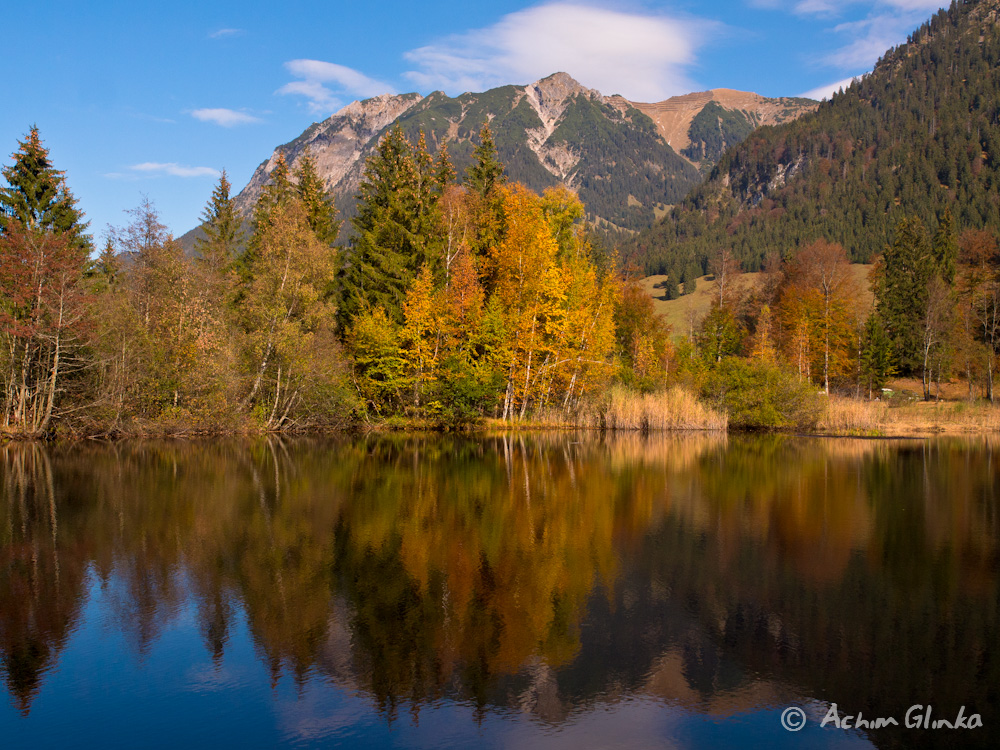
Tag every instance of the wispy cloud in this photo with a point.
(223, 33)
(641, 55)
(173, 169)
(227, 118)
(885, 25)
(324, 83)
(879, 7)
(828, 90)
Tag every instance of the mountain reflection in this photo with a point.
(541, 574)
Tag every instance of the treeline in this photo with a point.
(918, 135)
(452, 303)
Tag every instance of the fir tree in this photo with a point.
(901, 290)
(945, 247)
(273, 199)
(222, 226)
(384, 257)
(444, 171)
(876, 356)
(37, 196)
(487, 171)
(320, 211)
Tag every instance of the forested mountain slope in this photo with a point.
(917, 135)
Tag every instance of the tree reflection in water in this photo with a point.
(546, 573)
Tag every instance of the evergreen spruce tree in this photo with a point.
(385, 252)
(320, 211)
(482, 178)
(486, 172)
(37, 196)
(901, 290)
(278, 192)
(444, 170)
(876, 357)
(223, 228)
(945, 247)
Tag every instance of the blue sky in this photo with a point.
(155, 98)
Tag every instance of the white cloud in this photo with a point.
(173, 169)
(826, 92)
(879, 7)
(221, 33)
(316, 74)
(227, 118)
(886, 26)
(642, 56)
(819, 7)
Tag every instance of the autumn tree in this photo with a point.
(818, 302)
(42, 323)
(726, 269)
(979, 297)
(288, 345)
(43, 258)
(643, 339)
(165, 351)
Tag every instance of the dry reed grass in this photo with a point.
(673, 409)
(847, 416)
(945, 416)
(624, 409)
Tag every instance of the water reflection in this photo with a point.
(546, 577)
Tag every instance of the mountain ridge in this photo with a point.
(552, 131)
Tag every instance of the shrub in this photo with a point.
(761, 396)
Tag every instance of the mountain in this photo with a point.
(702, 125)
(615, 153)
(919, 134)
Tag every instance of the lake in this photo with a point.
(559, 590)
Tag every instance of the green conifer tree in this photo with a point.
(278, 192)
(876, 356)
(387, 248)
(487, 170)
(320, 210)
(945, 247)
(223, 227)
(37, 196)
(901, 290)
(444, 170)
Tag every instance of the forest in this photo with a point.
(453, 303)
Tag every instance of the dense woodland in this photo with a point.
(451, 304)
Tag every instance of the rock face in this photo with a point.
(622, 158)
(336, 144)
(675, 117)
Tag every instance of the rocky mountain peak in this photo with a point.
(550, 96)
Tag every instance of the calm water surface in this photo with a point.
(545, 591)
